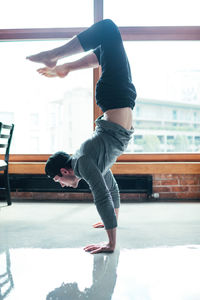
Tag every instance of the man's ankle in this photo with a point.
(112, 245)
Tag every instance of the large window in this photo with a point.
(153, 12)
(50, 114)
(162, 40)
(46, 13)
(167, 112)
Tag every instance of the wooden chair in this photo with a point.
(6, 132)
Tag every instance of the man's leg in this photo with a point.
(50, 58)
(114, 191)
(104, 33)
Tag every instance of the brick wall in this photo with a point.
(177, 187)
(168, 187)
(42, 196)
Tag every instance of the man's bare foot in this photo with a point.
(59, 71)
(44, 58)
(98, 225)
(103, 247)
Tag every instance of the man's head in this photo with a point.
(58, 167)
(57, 161)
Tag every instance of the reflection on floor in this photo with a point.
(157, 256)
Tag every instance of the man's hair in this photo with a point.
(57, 161)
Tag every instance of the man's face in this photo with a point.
(67, 179)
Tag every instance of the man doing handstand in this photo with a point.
(115, 95)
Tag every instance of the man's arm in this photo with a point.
(88, 61)
(114, 191)
(102, 198)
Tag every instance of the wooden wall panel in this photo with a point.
(119, 168)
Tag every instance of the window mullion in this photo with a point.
(98, 10)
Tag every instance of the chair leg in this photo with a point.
(7, 184)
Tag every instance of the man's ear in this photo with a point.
(64, 171)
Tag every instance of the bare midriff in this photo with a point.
(122, 116)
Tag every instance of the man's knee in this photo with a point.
(109, 23)
(110, 29)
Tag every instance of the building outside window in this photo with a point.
(60, 111)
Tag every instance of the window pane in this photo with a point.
(46, 13)
(49, 114)
(152, 12)
(167, 111)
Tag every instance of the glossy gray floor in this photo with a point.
(42, 256)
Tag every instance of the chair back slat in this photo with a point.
(3, 145)
(5, 126)
(4, 136)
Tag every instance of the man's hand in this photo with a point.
(59, 71)
(93, 249)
